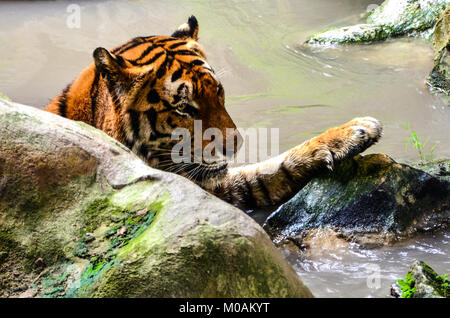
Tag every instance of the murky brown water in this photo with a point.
(269, 78)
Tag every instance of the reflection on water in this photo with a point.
(270, 78)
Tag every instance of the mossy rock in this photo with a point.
(371, 200)
(439, 168)
(422, 282)
(82, 216)
(439, 79)
(391, 19)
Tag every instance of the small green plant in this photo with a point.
(4, 97)
(407, 286)
(417, 142)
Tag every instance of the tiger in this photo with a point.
(141, 91)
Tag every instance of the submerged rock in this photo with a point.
(439, 79)
(81, 216)
(392, 18)
(422, 282)
(371, 200)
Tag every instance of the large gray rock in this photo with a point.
(392, 18)
(371, 200)
(81, 216)
(439, 79)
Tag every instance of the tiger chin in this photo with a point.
(141, 91)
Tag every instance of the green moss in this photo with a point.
(90, 275)
(444, 288)
(54, 283)
(7, 243)
(407, 286)
(195, 269)
(98, 211)
(128, 227)
(439, 282)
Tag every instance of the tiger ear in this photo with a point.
(188, 30)
(108, 63)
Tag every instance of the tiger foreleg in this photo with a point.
(276, 180)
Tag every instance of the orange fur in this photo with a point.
(138, 93)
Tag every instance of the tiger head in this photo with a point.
(160, 83)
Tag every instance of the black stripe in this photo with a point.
(177, 74)
(121, 61)
(227, 194)
(180, 88)
(143, 150)
(152, 118)
(62, 104)
(287, 173)
(168, 39)
(190, 110)
(176, 99)
(153, 97)
(94, 94)
(249, 200)
(128, 143)
(135, 126)
(152, 60)
(167, 105)
(264, 190)
(197, 62)
(175, 45)
(114, 98)
(184, 52)
(169, 62)
(170, 123)
(149, 49)
(132, 44)
(162, 69)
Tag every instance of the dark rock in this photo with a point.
(371, 200)
(439, 79)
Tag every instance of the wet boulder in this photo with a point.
(391, 19)
(371, 200)
(82, 216)
(439, 79)
(422, 282)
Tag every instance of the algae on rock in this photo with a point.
(82, 216)
(422, 282)
(392, 18)
(439, 79)
(371, 200)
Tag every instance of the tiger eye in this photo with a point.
(181, 106)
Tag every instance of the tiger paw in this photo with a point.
(345, 141)
(353, 137)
